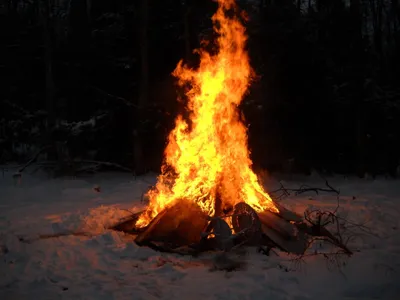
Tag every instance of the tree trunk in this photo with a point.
(4, 6)
(79, 40)
(378, 36)
(89, 10)
(79, 27)
(46, 18)
(358, 88)
(12, 7)
(261, 6)
(138, 147)
(377, 17)
(396, 8)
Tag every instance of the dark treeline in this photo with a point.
(90, 80)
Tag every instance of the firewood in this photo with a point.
(283, 227)
(128, 225)
(246, 224)
(283, 233)
(288, 215)
(222, 232)
(296, 245)
(179, 225)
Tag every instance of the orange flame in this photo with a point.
(207, 159)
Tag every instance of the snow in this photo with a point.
(110, 265)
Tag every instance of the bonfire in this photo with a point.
(207, 196)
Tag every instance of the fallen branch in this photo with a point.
(125, 225)
(123, 100)
(55, 235)
(162, 247)
(318, 220)
(304, 189)
(95, 165)
(33, 159)
(102, 163)
(333, 259)
(128, 224)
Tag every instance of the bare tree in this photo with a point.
(89, 10)
(396, 9)
(45, 12)
(376, 7)
(138, 149)
(356, 28)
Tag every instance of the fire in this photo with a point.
(207, 159)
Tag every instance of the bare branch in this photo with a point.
(33, 159)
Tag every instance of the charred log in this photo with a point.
(180, 225)
(222, 234)
(246, 224)
(294, 244)
(128, 225)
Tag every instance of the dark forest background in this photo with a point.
(87, 84)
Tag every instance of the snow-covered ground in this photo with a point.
(111, 266)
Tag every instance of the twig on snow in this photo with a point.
(55, 235)
(304, 189)
(101, 163)
(33, 159)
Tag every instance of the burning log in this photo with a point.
(222, 234)
(273, 227)
(185, 224)
(179, 225)
(207, 166)
(185, 229)
(128, 225)
(246, 224)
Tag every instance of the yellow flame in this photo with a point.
(207, 158)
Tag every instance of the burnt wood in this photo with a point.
(246, 224)
(179, 225)
(128, 225)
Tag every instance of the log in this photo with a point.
(179, 225)
(283, 233)
(128, 225)
(222, 233)
(296, 245)
(246, 221)
(288, 215)
(283, 227)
